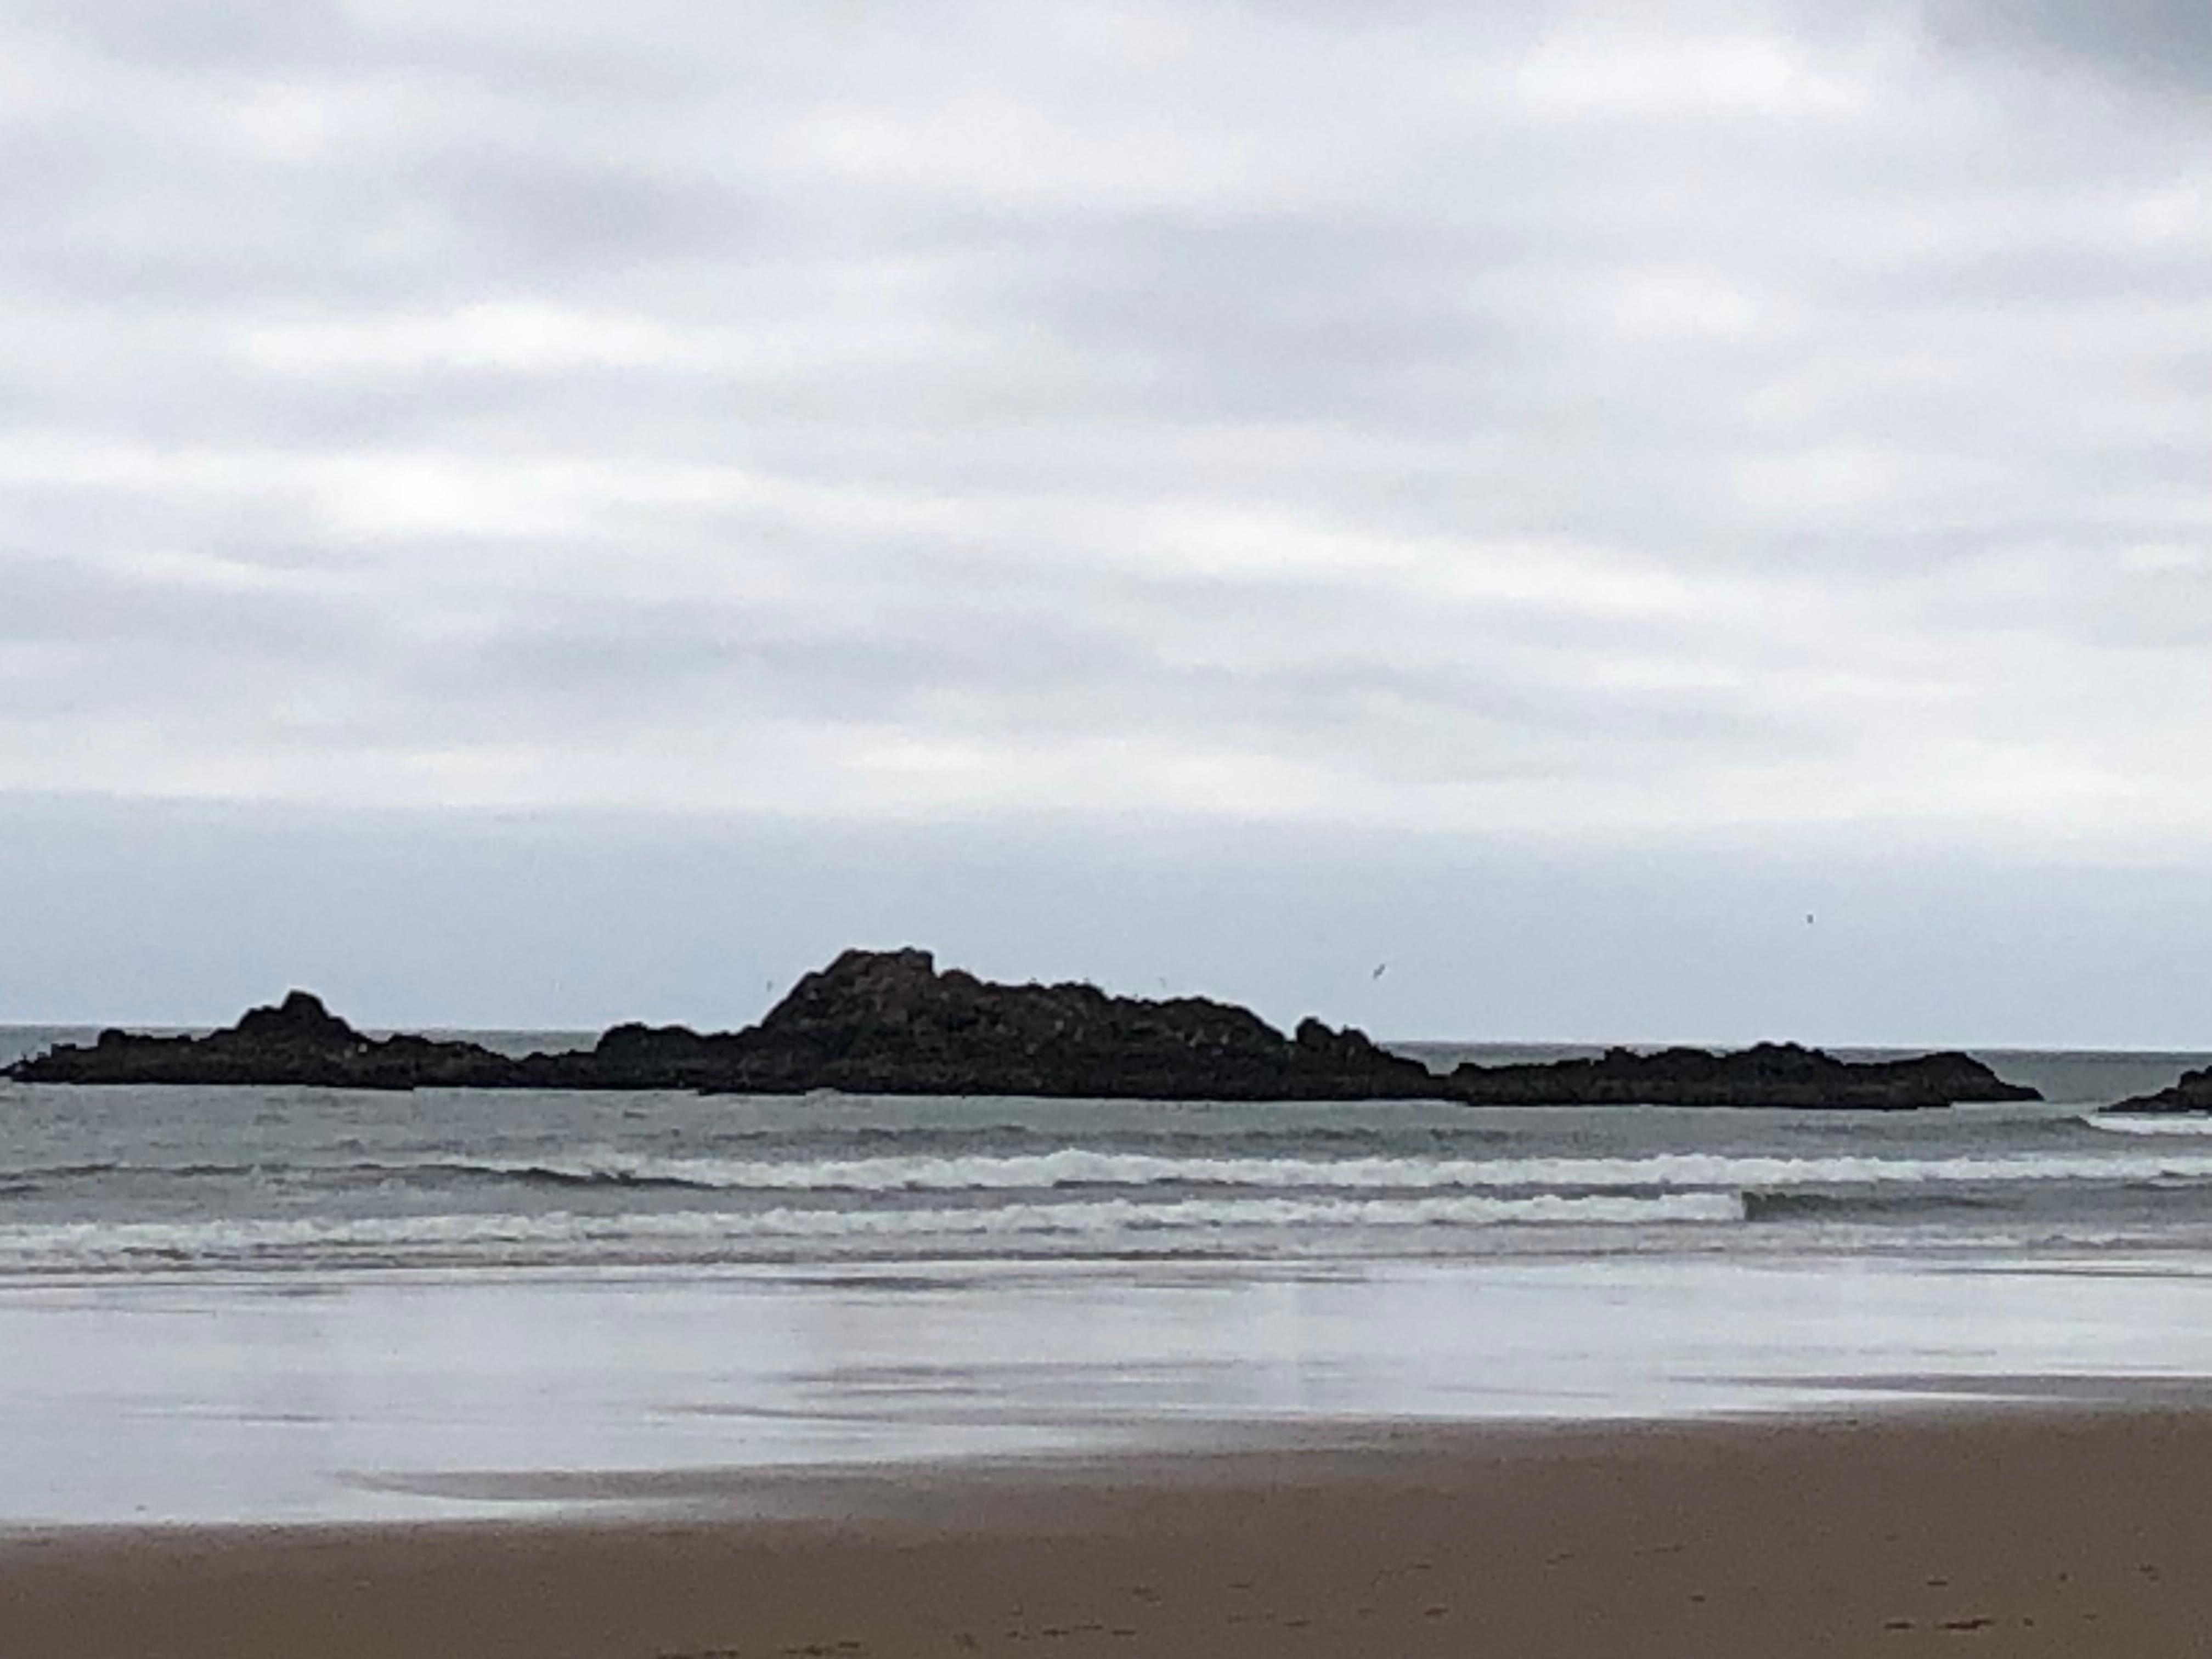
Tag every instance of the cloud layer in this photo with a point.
(1590, 420)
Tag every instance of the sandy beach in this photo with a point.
(2043, 1530)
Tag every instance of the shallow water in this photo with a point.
(367, 1396)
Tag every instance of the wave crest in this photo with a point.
(718, 1235)
(1077, 1168)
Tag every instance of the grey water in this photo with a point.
(313, 1305)
(163, 1181)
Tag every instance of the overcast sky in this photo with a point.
(1441, 457)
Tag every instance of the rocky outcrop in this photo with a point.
(871, 1021)
(1767, 1074)
(2191, 1093)
(888, 1022)
(298, 1041)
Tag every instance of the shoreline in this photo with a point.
(2048, 1527)
(399, 1399)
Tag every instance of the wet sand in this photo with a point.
(273, 1400)
(2046, 1529)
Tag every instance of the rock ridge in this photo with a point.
(889, 1022)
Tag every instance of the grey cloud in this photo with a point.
(56, 601)
(2156, 43)
(1043, 672)
(201, 34)
(614, 667)
(1312, 271)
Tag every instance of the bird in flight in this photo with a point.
(1381, 968)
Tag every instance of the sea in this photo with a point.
(304, 1306)
(261, 1179)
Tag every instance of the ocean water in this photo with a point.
(293, 1305)
(169, 1181)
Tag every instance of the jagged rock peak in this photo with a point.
(883, 985)
(300, 1017)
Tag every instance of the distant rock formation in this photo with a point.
(1766, 1074)
(297, 1041)
(2191, 1093)
(888, 1022)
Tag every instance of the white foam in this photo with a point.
(2146, 1125)
(565, 1236)
(1028, 1172)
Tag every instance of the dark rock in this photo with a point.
(297, 1041)
(2191, 1093)
(300, 1019)
(888, 1022)
(1766, 1074)
(634, 1056)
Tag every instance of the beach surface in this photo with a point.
(2048, 1529)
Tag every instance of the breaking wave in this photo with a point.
(2127, 1123)
(1081, 1168)
(717, 1235)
